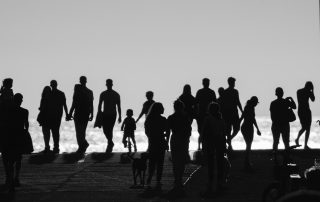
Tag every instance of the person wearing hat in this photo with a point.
(247, 130)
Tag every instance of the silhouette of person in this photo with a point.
(304, 112)
(179, 124)
(220, 101)
(279, 117)
(214, 145)
(111, 103)
(204, 97)
(189, 102)
(230, 114)
(82, 106)
(57, 104)
(6, 102)
(44, 116)
(129, 126)
(6, 98)
(156, 128)
(146, 105)
(12, 148)
(247, 130)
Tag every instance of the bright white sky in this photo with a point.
(160, 46)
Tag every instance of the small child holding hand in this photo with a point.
(129, 126)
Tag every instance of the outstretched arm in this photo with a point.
(140, 115)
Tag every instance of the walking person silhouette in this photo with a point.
(214, 146)
(230, 115)
(13, 142)
(128, 127)
(57, 104)
(82, 106)
(6, 103)
(156, 127)
(179, 124)
(304, 112)
(247, 130)
(44, 117)
(204, 97)
(110, 100)
(280, 120)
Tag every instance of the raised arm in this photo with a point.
(312, 98)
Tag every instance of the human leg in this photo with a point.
(56, 138)
(151, 167)
(46, 137)
(109, 121)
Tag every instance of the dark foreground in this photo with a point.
(98, 177)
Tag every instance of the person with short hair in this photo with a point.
(214, 146)
(82, 106)
(231, 103)
(56, 106)
(279, 117)
(180, 126)
(128, 127)
(110, 100)
(204, 97)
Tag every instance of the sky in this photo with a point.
(161, 46)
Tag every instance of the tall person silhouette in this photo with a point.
(280, 121)
(204, 97)
(249, 120)
(304, 112)
(44, 116)
(156, 127)
(14, 141)
(214, 146)
(111, 103)
(230, 112)
(82, 106)
(6, 102)
(57, 104)
(180, 125)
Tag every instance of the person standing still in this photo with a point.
(280, 122)
(204, 97)
(304, 112)
(82, 106)
(56, 104)
(111, 103)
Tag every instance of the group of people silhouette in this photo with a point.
(218, 122)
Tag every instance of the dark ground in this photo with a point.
(98, 177)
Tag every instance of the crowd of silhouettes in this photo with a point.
(218, 122)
